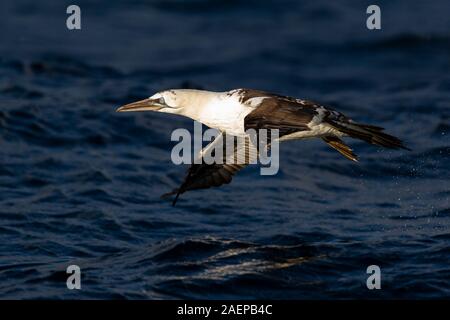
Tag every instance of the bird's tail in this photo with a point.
(369, 133)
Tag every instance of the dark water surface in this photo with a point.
(80, 184)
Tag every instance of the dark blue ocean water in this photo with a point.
(80, 184)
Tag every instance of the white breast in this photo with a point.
(225, 113)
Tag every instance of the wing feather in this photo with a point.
(286, 114)
(203, 176)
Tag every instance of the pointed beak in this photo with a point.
(142, 105)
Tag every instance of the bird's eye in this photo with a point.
(161, 100)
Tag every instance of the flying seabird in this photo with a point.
(233, 112)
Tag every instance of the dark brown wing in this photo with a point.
(286, 114)
(203, 176)
(290, 115)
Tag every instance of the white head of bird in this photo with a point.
(185, 102)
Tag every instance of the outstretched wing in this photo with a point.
(203, 176)
(291, 115)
